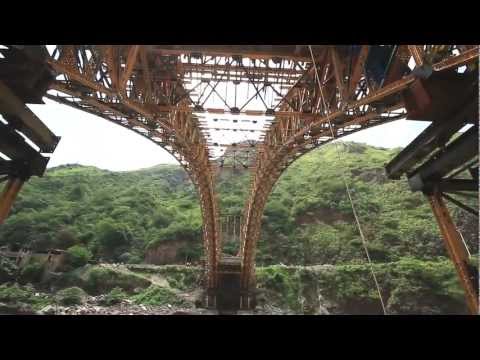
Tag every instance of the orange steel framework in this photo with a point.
(10, 192)
(146, 89)
(455, 247)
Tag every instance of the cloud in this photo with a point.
(87, 139)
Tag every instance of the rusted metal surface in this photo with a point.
(290, 137)
(456, 249)
(108, 83)
(461, 59)
(24, 138)
(417, 53)
(290, 52)
(10, 192)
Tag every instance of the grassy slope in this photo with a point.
(308, 221)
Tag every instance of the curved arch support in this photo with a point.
(330, 113)
(271, 165)
(142, 89)
(114, 82)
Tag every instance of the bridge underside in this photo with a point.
(442, 166)
(24, 78)
(399, 93)
(319, 94)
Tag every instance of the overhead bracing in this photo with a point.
(115, 82)
(443, 163)
(153, 91)
(24, 78)
(456, 250)
(348, 109)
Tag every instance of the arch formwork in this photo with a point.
(141, 88)
(350, 100)
(116, 83)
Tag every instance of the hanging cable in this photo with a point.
(364, 242)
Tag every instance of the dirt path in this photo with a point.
(155, 279)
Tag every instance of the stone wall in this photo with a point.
(165, 253)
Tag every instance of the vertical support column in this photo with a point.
(10, 192)
(456, 249)
(211, 299)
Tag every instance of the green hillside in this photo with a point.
(308, 221)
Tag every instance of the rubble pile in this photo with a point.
(125, 307)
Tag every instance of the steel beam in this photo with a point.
(285, 149)
(129, 64)
(459, 60)
(10, 192)
(26, 121)
(25, 160)
(231, 50)
(358, 70)
(303, 123)
(453, 156)
(452, 185)
(215, 68)
(434, 136)
(456, 250)
(417, 53)
(461, 205)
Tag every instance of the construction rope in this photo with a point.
(357, 221)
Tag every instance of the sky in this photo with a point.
(87, 139)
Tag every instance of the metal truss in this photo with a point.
(352, 101)
(158, 92)
(116, 83)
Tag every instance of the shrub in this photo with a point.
(77, 193)
(31, 273)
(7, 269)
(101, 280)
(65, 239)
(78, 256)
(128, 258)
(125, 257)
(192, 251)
(110, 237)
(182, 280)
(283, 282)
(155, 295)
(71, 296)
(114, 297)
(17, 295)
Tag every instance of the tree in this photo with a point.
(112, 238)
(65, 239)
(77, 193)
(78, 256)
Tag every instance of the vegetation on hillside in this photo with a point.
(308, 220)
(108, 216)
(408, 286)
